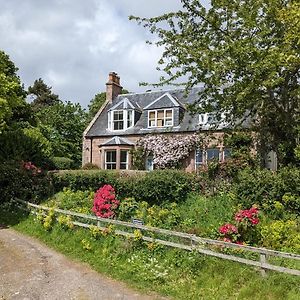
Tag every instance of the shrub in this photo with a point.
(282, 235)
(265, 188)
(154, 187)
(62, 163)
(105, 202)
(244, 229)
(79, 201)
(24, 181)
(90, 166)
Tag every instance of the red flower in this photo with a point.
(228, 229)
(105, 202)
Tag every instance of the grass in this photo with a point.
(175, 273)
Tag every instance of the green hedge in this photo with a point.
(269, 189)
(154, 187)
(16, 182)
(62, 163)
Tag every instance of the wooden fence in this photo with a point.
(180, 240)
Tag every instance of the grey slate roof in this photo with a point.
(181, 124)
(116, 140)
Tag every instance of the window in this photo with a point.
(120, 119)
(198, 158)
(213, 154)
(149, 163)
(129, 118)
(111, 160)
(124, 160)
(205, 156)
(160, 118)
(202, 118)
(226, 153)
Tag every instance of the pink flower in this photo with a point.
(105, 202)
(255, 221)
(228, 229)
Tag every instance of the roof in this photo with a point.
(142, 103)
(116, 140)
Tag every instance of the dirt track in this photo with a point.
(30, 270)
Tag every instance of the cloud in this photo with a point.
(73, 45)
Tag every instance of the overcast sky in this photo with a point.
(73, 44)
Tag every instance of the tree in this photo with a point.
(63, 124)
(246, 54)
(13, 107)
(96, 103)
(42, 95)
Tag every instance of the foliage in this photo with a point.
(166, 216)
(63, 124)
(65, 222)
(190, 275)
(244, 229)
(229, 232)
(127, 209)
(62, 163)
(138, 158)
(79, 201)
(90, 166)
(266, 188)
(24, 144)
(17, 181)
(203, 215)
(105, 202)
(47, 220)
(41, 95)
(246, 55)
(95, 104)
(282, 235)
(168, 151)
(13, 107)
(154, 187)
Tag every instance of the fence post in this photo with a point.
(263, 260)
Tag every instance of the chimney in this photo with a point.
(113, 87)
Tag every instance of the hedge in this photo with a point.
(266, 188)
(16, 182)
(154, 187)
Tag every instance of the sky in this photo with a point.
(73, 44)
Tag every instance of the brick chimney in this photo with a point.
(113, 87)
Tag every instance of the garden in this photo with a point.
(257, 208)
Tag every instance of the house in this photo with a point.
(126, 118)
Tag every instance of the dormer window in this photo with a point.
(120, 119)
(160, 118)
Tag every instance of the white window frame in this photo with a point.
(197, 165)
(125, 119)
(111, 162)
(164, 119)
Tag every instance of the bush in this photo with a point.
(62, 163)
(90, 166)
(267, 188)
(79, 201)
(154, 187)
(282, 235)
(24, 181)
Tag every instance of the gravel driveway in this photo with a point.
(30, 270)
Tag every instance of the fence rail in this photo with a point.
(195, 243)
